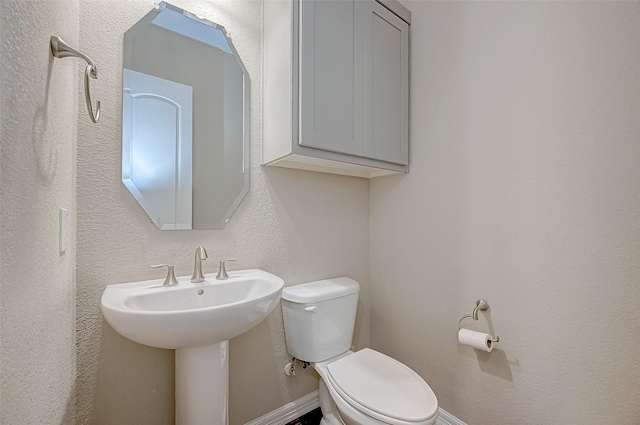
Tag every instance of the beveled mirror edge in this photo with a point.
(163, 4)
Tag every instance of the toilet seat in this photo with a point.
(380, 387)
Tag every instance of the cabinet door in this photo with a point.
(331, 75)
(386, 85)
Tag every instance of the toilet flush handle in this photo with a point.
(311, 308)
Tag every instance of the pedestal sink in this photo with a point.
(197, 320)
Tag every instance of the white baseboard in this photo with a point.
(289, 411)
(446, 418)
(306, 404)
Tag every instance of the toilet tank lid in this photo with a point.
(320, 290)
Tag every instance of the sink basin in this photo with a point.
(191, 314)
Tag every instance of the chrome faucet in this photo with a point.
(201, 255)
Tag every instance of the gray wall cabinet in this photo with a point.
(336, 86)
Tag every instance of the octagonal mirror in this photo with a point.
(185, 120)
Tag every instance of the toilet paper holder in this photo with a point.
(481, 305)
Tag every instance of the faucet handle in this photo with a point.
(170, 280)
(222, 270)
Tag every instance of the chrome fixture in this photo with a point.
(201, 255)
(481, 305)
(60, 49)
(170, 280)
(222, 270)
(290, 368)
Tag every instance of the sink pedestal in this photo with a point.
(202, 385)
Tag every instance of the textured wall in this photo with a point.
(37, 170)
(525, 190)
(301, 226)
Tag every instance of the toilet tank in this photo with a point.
(319, 318)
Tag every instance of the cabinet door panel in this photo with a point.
(386, 85)
(331, 75)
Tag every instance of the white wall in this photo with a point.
(525, 190)
(37, 171)
(301, 226)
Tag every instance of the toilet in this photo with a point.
(356, 388)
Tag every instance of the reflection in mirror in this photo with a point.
(185, 120)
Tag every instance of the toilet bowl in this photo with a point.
(368, 387)
(356, 388)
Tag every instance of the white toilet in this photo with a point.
(361, 388)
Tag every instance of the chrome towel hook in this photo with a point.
(60, 49)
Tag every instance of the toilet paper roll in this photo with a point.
(474, 339)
